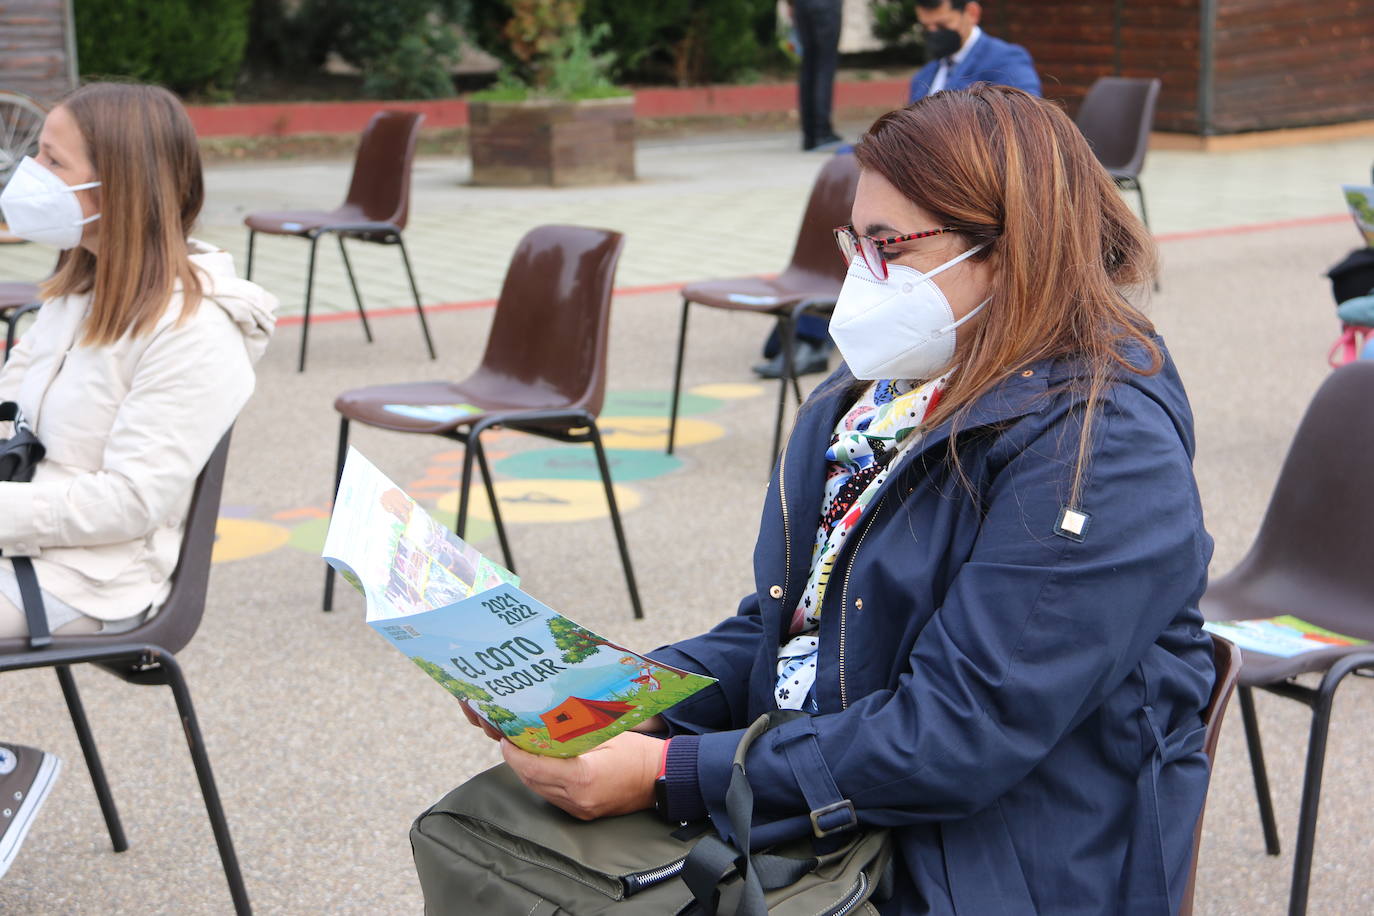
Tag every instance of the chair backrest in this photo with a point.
(549, 334)
(380, 188)
(1227, 659)
(1311, 553)
(13, 295)
(832, 199)
(172, 627)
(1115, 118)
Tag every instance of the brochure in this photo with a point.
(1284, 636)
(549, 684)
(1360, 199)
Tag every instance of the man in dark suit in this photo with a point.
(962, 54)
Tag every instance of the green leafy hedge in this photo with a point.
(680, 41)
(186, 45)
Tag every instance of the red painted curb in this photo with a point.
(290, 118)
(1295, 223)
(292, 320)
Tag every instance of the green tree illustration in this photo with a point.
(577, 643)
(500, 716)
(450, 683)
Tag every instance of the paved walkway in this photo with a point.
(326, 744)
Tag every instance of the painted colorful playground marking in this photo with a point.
(655, 404)
(579, 463)
(535, 485)
(546, 500)
(728, 391)
(652, 432)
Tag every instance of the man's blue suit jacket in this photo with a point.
(990, 59)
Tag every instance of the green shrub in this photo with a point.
(894, 21)
(189, 46)
(679, 41)
(403, 47)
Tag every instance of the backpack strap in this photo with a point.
(712, 860)
(32, 595)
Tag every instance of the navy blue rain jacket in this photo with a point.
(1022, 707)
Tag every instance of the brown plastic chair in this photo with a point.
(375, 210)
(1115, 118)
(543, 372)
(1310, 559)
(810, 283)
(1226, 658)
(145, 655)
(16, 301)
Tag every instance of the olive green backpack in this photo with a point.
(492, 847)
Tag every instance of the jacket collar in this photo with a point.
(802, 466)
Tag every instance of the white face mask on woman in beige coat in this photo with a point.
(128, 427)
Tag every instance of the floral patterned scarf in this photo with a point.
(880, 426)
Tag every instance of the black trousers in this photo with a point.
(818, 29)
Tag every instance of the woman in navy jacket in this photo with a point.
(996, 629)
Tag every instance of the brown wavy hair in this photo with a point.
(143, 147)
(1012, 172)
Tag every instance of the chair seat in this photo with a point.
(1224, 603)
(306, 223)
(762, 294)
(13, 295)
(370, 405)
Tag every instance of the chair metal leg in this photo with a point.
(620, 542)
(309, 291)
(1258, 770)
(251, 236)
(415, 291)
(1312, 779)
(329, 572)
(475, 445)
(460, 524)
(357, 297)
(201, 759)
(12, 326)
(1145, 218)
(92, 755)
(677, 376)
(789, 372)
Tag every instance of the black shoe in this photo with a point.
(811, 357)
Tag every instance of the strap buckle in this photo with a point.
(841, 805)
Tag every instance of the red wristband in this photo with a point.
(663, 761)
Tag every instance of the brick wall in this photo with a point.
(1284, 63)
(1275, 63)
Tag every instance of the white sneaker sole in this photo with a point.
(28, 808)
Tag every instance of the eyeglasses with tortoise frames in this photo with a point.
(851, 243)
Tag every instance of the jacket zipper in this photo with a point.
(844, 596)
(638, 881)
(786, 530)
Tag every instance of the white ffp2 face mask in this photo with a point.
(40, 207)
(901, 327)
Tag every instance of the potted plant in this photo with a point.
(564, 122)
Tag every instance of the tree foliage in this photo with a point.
(186, 45)
(682, 41)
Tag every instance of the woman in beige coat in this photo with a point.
(140, 360)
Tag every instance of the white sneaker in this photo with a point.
(26, 776)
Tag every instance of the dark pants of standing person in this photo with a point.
(818, 30)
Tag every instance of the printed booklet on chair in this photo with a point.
(1284, 636)
(549, 684)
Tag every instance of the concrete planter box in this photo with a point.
(545, 142)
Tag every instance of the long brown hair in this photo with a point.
(143, 147)
(1012, 172)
